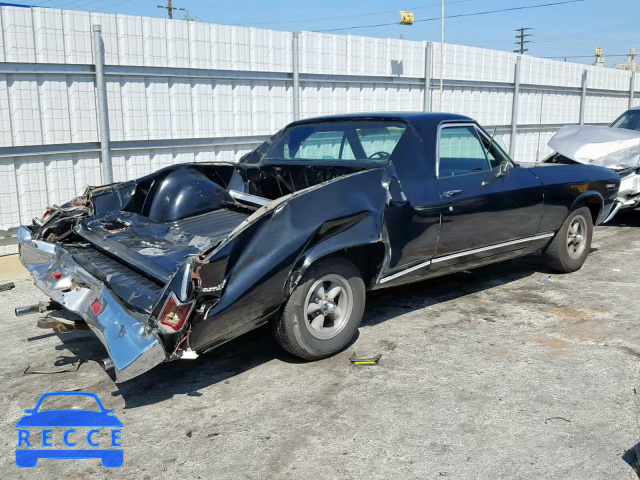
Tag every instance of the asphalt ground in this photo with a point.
(507, 371)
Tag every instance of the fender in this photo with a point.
(588, 194)
(590, 197)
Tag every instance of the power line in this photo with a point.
(112, 5)
(585, 56)
(488, 12)
(353, 16)
(88, 3)
(66, 3)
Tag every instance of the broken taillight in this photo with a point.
(174, 313)
(57, 275)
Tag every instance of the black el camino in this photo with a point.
(173, 264)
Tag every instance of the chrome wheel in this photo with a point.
(328, 306)
(576, 242)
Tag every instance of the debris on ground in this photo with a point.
(7, 286)
(365, 361)
(556, 418)
(62, 367)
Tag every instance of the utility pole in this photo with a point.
(520, 40)
(442, 59)
(170, 8)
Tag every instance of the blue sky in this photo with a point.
(572, 29)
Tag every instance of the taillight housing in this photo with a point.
(175, 314)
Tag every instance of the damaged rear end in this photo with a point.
(144, 262)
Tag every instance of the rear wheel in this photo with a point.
(570, 247)
(324, 311)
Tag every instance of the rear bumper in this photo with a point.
(132, 347)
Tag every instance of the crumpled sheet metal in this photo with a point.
(614, 148)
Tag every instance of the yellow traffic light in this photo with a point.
(406, 17)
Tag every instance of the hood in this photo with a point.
(614, 148)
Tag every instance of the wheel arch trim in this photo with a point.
(589, 199)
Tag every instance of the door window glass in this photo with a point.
(461, 152)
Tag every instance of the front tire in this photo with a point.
(570, 247)
(324, 311)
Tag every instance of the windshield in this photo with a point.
(345, 140)
(629, 120)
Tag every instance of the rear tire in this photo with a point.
(324, 311)
(570, 247)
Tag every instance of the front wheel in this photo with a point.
(324, 311)
(570, 247)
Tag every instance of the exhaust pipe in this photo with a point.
(39, 308)
(27, 310)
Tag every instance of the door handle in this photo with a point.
(451, 193)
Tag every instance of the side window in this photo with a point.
(460, 151)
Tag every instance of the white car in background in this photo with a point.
(616, 147)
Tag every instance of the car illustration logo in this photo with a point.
(69, 433)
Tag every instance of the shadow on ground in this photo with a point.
(625, 219)
(258, 347)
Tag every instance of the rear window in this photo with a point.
(348, 141)
(629, 120)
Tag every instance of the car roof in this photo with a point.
(417, 119)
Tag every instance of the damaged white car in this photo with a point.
(616, 147)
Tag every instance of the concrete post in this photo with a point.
(514, 108)
(103, 113)
(296, 76)
(583, 97)
(428, 67)
(632, 88)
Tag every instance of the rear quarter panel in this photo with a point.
(344, 212)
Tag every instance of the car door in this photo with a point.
(487, 200)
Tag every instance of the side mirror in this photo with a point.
(504, 168)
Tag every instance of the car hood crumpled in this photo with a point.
(614, 148)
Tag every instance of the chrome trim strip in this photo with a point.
(247, 197)
(404, 272)
(615, 206)
(463, 254)
(499, 245)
